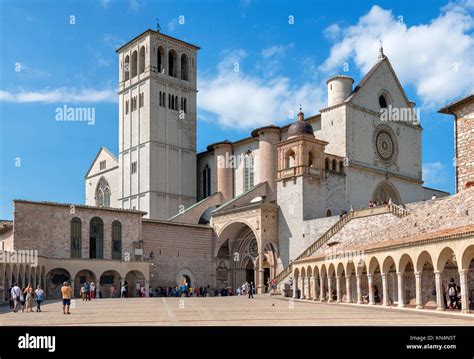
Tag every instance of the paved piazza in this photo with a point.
(222, 311)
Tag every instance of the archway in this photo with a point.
(390, 289)
(135, 280)
(107, 280)
(406, 282)
(385, 191)
(467, 265)
(447, 263)
(80, 278)
(250, 271)
(54, 281)
(425, 269)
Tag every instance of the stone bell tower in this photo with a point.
(157, 124)
(463, 111)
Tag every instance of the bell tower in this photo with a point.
(157, 124)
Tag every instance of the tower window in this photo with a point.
(126, 67)
(134, 167)
(206, 182)
(126, 107)
(102, 165)
(142, 100)
(134, 63)
(382, 101)
(169, 100)
(184, 67)
(172, 59)
(142, 60)
(248, 171)
(160, 59)
(185, 107)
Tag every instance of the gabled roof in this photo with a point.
(448, 109)
(97, 156)
(369, 74)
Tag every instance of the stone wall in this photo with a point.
(46, 227)
(465, 147)
(179, 249)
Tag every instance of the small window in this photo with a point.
(102, 165)
(134, 167)
(329, 213)
(382, 101)
(126, 107)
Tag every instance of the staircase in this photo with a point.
(391, 208)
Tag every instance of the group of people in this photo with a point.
(453, 292)
(246, 289)
(88, 291)
(25, 298)
(184, 290)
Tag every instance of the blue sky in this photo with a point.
(49, 59)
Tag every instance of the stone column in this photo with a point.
(267, 157)
(321, 290)
(359, 289)
(309, 294)
(419, 291)
(261, 271)
(401, 290)
(338, 289)
(348, 290)
(385, 289)
(315, 288)
(225, 181)
(330, 284)
(303, 287)
(464, 290)
(370, 279)
(295, 286)
(439, 290)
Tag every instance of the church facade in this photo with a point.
(253, 209)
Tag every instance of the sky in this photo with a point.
(259, 60)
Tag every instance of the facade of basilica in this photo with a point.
(287, 202)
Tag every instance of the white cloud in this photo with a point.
(332, 32)
(113, 41)
(134, 5)
(244, 101)
(60, 95)
(276, 50)
(172, 25)
(104, 3)
(432, 172)
(436, 57)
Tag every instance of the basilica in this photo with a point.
(288, 204)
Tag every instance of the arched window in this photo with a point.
(329, 213)
(334, 165)
(160, 59)
(176, 102)
(134, 64)
(126, 67)
(310, 159)
(184, 67)
(76, 238)
(248, 171)
(206, 182)
(326, 164)
(383, 101)
(102, 194)
(142, 60)
(96, 238)
(185, 109)
(341, 167)
(116, 240)
(290, 160)
(172, 59)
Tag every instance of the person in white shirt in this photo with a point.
(16, 296)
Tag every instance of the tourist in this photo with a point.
(434, 196)
(376, 294)
(83, 292)
(92, 291)
(66, 292)
(251, 290)
(39, 298)
(22, 299)
(29, 298)
(142, 291)
(452, 293)
(16, 297)
(87, 289)
(10, 300)
(112, 291)
(123, 291)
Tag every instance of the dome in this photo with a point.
(300, 127)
